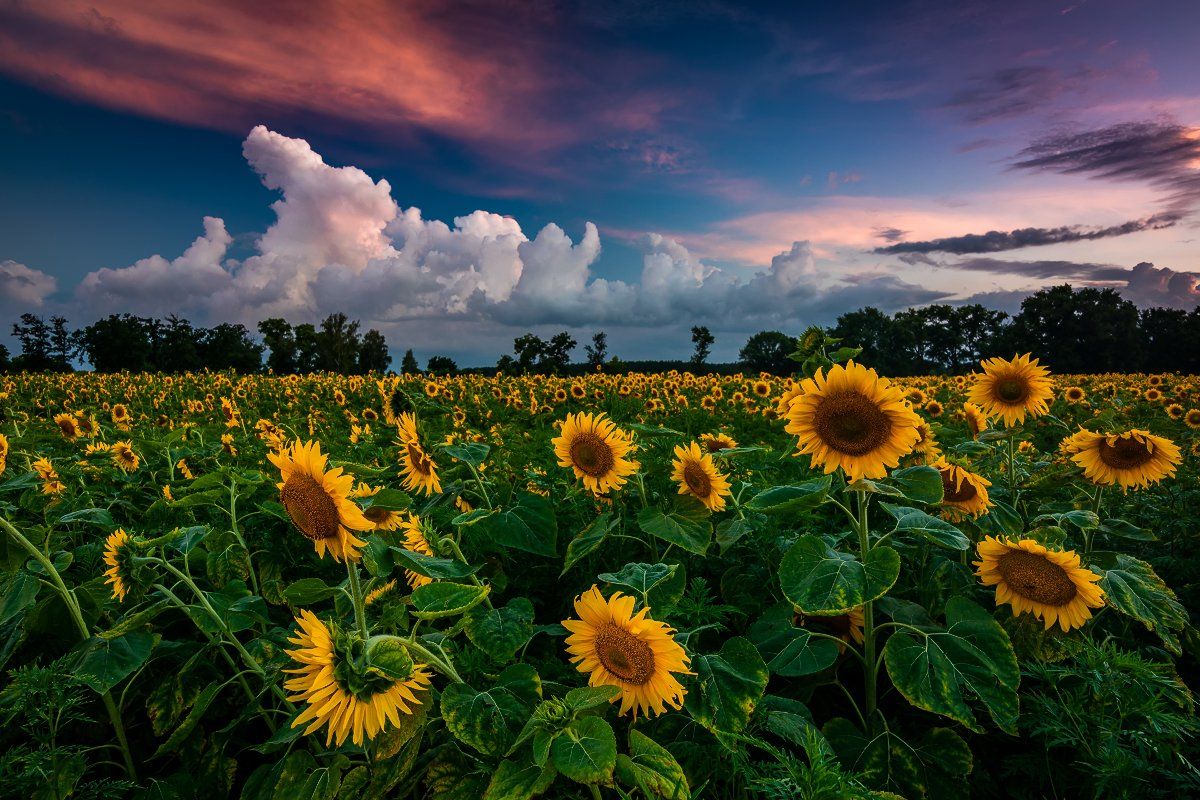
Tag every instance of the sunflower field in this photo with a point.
(832, 585)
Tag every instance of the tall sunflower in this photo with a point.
(316, 500)
(1009, 390)
(631, 651)
(596, 450)
(117, 557)
(698, 476)
(964, 494)
(1135, 458)
(1050, 584)
(342, 694)
(854, 420)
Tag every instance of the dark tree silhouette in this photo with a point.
(703, 340)
(597, 351)
(767, 351)
(409, 365)
(441, 365)
(278, 337)
(373, 355)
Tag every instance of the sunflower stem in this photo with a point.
(439, 663)
(595, 791)
(870, 666)
(72, 603)
(479, 482)
(356, 595)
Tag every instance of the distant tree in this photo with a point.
(409, 366)
(507, 365)
(5, 361)
(279, 338)
(556, 355)
(176, 345)
(529, 350)
(1169, 344)
(338, 344)
(373, 353)
(597, 351)
(1078, 330)
(767, 351)
(703, 341)
(229, 346)
(63, 344)
(885, 345)
(441, 365)
(118, 343)
(308, 357)
(34, 335)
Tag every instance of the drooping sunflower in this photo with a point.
(926, 446)
(715, 442)
(1050, 584)
(698, 476)
(123, 456)
(976, 419)
(338, 694)
(317, 500)
(854, 420)
(420, 471)
(414, 539)
(964, 493)
(393, 399)
(848, 627)
(67, 426)
(1009, 390)
(381, 591)
(1133, 459)
(596, 450)
(631, 651)
(117, 555)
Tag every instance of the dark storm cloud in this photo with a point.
(1144, 284)
(890, 234)
(997, 241)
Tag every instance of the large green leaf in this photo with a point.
(726, 686)
(919, 484)
(821, 581)
(640, 578)
(199, 707)
(473, 453)
(500, 632)
(687, 526)
(432, 566)
(442, 599)
(934, 529)
(588, 540)
(790, 651)
(937, 671)
(936, 766)
(489, 721)
(103, 663)
(790, 499)
(21, 594)
(514, 781)
(1133, 588)
(651, 768)
(586, 751)
(307, 591)
(530, 525)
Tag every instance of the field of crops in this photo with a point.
(618, 586)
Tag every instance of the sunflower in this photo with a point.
(384, 519)
(596, 450)
(317, 501)
(393, 400)
(976, 419)
(414, 540)
(118, 555)
(120, 415)
(347, 697)
(848, 627)
(761, 388)
(926, 446)
(1050, 584)
(3, 452)
(1191, 418)
(715, 442)
(1175, 411)
(1073, 394)
(933, 408)
(420, 471)
(964, 494)
(123, 456)
(852, 419)
(630, 651)
(67, 426)
(1135, 458)
(698, 476)
(1009, 390)
(374, 595)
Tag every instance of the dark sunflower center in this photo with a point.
(420, 461)
(1012, 390)
(67, 427)
(592, 454)
(376, 515)
(311, 509)
(697, 480)
(1127, 453)
(1036, 578)
(956, 494)
(715, 445)
(624, 655)
(851, 423)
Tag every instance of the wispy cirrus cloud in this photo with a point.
(997, 241)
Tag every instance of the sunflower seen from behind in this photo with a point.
(852, 419)
(1050, 584)
(1133, 459)
(318, 501)
(964, 493)
(696, 474)
(596, 450)
(1011, 389)
(118, 555)
(616, 646)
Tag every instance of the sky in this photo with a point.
(456, 174)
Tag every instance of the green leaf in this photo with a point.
(585, 697)
(821, 581)
(586, 751)
(203, 701)
(307, 591)
(935, 767)
(651, 768)
(21, 594)
(377, 556)
(103, 663)
(501, 632)
(731, 531)
(432, 566)
(487, 721)
(919, 484)
(934, 529)
(790, 651)
(391, 500)
(472, 453)
(513, 781)
(1003, 519)
(790, 499)
(937, 671)
(530, 526)
(640, 578)
(1126, 530)
(726, 686)
(1083, 520)
(436, 600)
(588, 541)
(687, 527)
(1133, 588)
(94, 516)
(389, 655)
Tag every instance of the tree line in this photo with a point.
(1084, 330)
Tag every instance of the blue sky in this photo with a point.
(741, 166)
